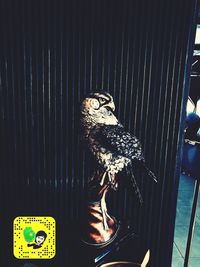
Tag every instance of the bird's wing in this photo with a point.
(116, 139)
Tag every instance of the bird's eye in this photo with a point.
(102, 100)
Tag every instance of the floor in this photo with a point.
(183, 212)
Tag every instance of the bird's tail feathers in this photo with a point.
(134, 185)
(150, 173)
(141, 164)
(136, 188)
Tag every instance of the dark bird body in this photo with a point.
(113, 147)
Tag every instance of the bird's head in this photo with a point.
(98, 108)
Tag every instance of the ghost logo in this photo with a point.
(39, 240)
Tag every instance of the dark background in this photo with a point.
(51, 55)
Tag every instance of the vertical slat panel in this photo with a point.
(52, 54)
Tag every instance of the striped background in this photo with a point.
(51, 55)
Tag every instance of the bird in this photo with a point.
(112, 146)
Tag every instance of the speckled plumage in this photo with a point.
(112, 146)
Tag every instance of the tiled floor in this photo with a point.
(183, 212)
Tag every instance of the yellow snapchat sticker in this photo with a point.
(34, 237)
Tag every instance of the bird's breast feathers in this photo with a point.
(107, 158)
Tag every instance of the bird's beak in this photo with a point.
(111, 105)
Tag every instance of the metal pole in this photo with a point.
(192, 222)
